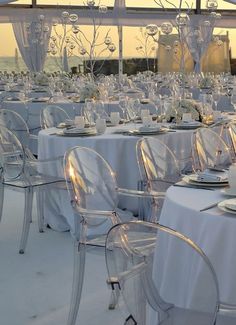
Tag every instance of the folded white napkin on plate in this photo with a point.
(207, 177)
(231, 204)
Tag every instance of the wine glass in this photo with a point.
(60, 86)
(123, 106)
(233, 100)
(216, 98)
(89, 111)
(100, 110)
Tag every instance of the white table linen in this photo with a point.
(120, 153)
(30, 111)
(213, 230)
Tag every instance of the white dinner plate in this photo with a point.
(224, 206)
(80, 132)
(151, 128)
(64, 125)
(192, 179)
(186, 126)
(148, 132)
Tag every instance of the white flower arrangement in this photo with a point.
(41, 79)
(89, 90)
(207, 82)
(176, 110)
(68, 85)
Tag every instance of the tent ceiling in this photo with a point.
(115, 17)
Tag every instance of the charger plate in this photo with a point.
(225, 206)
(192, 179)
(186, 126)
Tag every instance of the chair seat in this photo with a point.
(180, 316)
(35, 180)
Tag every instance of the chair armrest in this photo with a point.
(227, 308)
(97, 213)
(141, 194)
(33, 136)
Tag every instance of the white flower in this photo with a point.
(176, 110)
(207, 82)
(89, 90)
(42, 79)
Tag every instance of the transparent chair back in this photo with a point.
(159, 170)
(91, 184)
(156, 266)
(157, 164)
(209, 150)
(231, 138)
(14, 122)
(89, 111)
(12, 155)
(51, 116)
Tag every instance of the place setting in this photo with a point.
(186, 123)
(210, 179)
(229, 205)
(75, 128)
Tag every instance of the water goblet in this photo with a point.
(216, 98)
(101, 125)
(89, 110)
(233, 100)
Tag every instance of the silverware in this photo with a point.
(194, 187)
(209, 206)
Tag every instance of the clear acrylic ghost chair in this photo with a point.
(209, 150)
(158, 168)
(20, 173)
(94, 194)
(155, 266)
(230, 136)
(14, 122)
(52, 115)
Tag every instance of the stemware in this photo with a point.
(123, 106)
(60, 87)
(89, 110)
(100, 111)
(233, 100)
(216, 98)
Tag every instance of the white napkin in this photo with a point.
(207, 177)
(231, 204)
(150, 128)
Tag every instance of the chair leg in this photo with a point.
(1, 199)
(78, 279)
(114, 299)
(27, 218)
(130, 321)
(40, 210)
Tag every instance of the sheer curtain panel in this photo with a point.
(32, 40)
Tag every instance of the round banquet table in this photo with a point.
(118, 150)
(30, 110)
(212, 230)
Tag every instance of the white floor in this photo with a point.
(35, 287)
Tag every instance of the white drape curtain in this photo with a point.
(169, 55)
(197, 34)
(216, 58)
(32, 45)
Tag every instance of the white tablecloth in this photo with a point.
(30, 111)
(120, 153)
(213, 230)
